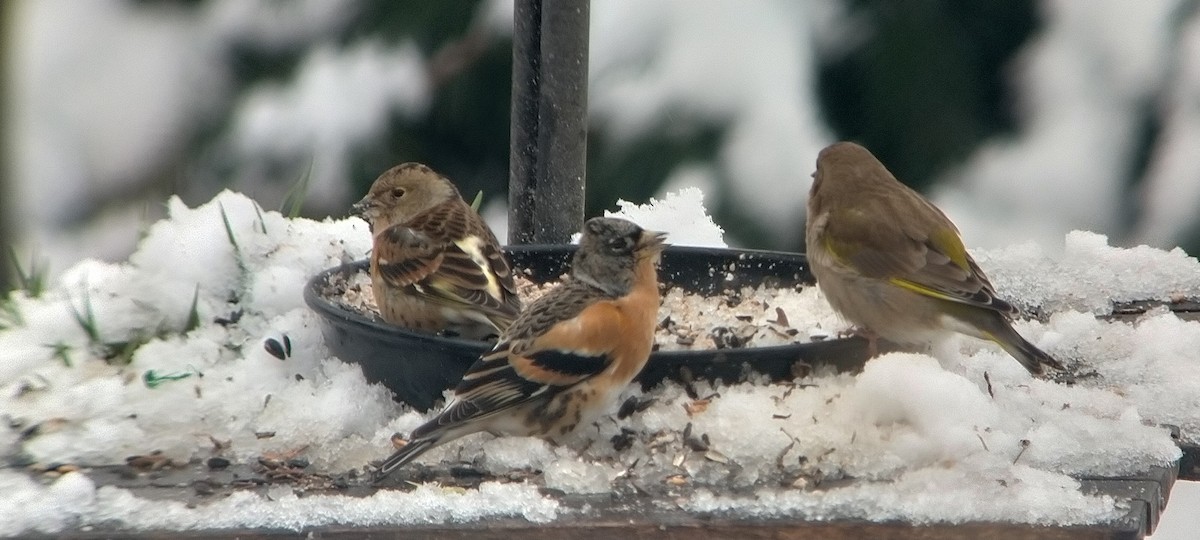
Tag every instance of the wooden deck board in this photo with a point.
(625, 516)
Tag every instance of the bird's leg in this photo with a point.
(865, 333)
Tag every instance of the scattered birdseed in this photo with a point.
(747, 317)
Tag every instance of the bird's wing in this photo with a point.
(472, 270)
(566, 342)
(883, 241)
(441, 272)
(405, 257)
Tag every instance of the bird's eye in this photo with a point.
(620, 244)
(397, 192)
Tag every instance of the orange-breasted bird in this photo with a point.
(435, 264)
(566, 358)
(891, 262)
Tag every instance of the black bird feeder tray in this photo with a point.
(418, 367)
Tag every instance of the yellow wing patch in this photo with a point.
(922, 290)
(948, 241)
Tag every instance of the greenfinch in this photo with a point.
(892, 263)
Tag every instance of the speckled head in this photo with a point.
(610, 249)
(402, 193)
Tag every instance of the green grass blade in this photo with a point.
(293, 200)
(262, 223)
(87, 318)
(32, 282)
(228, 226)
(193, 320)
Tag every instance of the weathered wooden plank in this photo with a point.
(609, 516)
(681, 529)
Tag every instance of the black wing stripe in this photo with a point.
(569, 363)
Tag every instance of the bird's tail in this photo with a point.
(401, 457)
(501, 320)
(1034, 359)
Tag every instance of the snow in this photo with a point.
(1151, 363)
(1088, 274)
(73, 501)
(963, 434)
(682, 212)
(31, 506)
(577, 476)
(1019, 494)
(148, 298)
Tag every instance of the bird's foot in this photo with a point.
(871, 337)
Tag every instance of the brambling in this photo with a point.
(565, 359)
(891, 262)
(435, 264)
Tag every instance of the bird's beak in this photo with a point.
(652, 239)
(360, 208)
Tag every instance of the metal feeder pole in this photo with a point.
(549, 121)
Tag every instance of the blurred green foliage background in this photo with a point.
(923, 88)
(921, 91)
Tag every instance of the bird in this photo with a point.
(435, 264)
(568, 355)
(892, 263)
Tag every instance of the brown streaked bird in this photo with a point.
(568, 355)
(892, 263)
(435, 264)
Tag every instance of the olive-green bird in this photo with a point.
(892, 263)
